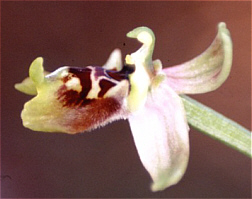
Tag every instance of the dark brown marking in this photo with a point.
(72, 97)
(97, 113)
(105, 85)
(84, 74)
(122, 74)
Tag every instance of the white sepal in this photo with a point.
(160, 133)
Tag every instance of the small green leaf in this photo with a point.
(208, 121)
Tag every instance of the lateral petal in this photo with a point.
(160, 133)
(207, 71)
(114, 61)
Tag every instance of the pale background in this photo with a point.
(104, 162)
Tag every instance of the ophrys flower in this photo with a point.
(74, 99)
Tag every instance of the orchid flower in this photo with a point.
(78, 99)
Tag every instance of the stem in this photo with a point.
(217, 126)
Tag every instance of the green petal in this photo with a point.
(27, 86)
(37, 74)
(36, 71)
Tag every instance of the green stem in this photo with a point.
(208, 121)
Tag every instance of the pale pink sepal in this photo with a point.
(207, 71)
(160, 133)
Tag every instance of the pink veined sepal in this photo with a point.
(160, 133)
(206, 72)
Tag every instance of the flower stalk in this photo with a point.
(217, 126)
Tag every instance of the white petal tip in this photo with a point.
(114, 61)
(222, 25)
(116, 52)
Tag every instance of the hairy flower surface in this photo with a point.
(75, 99)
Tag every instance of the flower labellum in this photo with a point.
(78, 99)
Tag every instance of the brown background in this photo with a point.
(104, 162)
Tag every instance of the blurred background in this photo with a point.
(104, 162)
